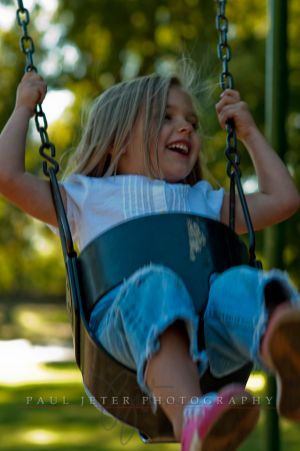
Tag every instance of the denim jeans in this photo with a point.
(129, 320)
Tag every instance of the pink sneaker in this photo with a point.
(223, 424)
(281, 350)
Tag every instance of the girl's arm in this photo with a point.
(30, 193)
(278, 197)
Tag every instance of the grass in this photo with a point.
(50, 411)
(57, 416)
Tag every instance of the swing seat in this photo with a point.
(192, 246)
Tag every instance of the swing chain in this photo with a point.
(232, 153)
(47, 148)
(226, 81)
(223, 48)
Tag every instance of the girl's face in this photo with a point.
(178, 142)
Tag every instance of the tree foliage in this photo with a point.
(87, 46)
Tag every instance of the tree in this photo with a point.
(88, 46)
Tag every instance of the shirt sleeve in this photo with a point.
(206, 201)
(76, 193)
(76, 189)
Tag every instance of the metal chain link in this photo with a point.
(47, 148)
(227, 82)
(231, 151)
(47, 151)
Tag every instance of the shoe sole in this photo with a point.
(231, 427)
(284, 352)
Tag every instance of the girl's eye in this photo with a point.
(168, 117)
(195, 125)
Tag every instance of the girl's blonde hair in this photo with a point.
(111, 123)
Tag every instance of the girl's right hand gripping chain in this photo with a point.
(31, 91)
(25, 190)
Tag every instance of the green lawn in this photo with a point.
(50, 416)
(43, 409)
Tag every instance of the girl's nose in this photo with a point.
(185, 127)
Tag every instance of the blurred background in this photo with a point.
(83, 48)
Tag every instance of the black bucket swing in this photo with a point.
(196, 248)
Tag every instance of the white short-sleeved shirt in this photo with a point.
(95, 204)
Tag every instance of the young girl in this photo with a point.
(139, 154)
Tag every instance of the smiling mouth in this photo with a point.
(180, 148)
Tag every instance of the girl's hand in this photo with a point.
(31, 91)
(231, 107)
